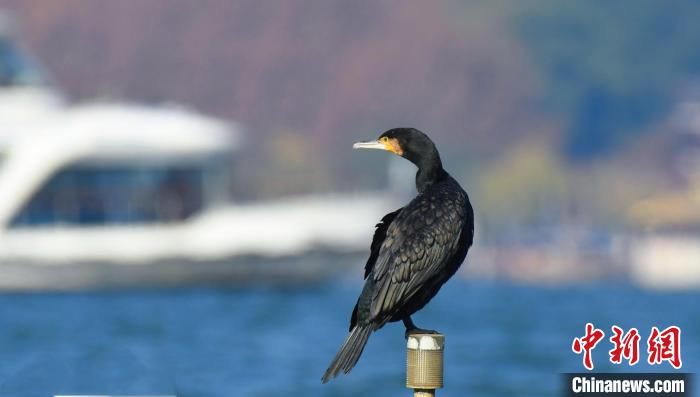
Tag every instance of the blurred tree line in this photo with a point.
(545, 109)
(611, 68)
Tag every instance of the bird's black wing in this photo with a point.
(419, 244)
(379, 236)
(378, 239)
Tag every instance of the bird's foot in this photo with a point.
(413, 331)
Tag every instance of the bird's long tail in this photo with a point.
(349, 353)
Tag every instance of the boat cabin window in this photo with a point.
(100, 195)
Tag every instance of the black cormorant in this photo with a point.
(415, 249)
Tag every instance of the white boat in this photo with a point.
(665, 260)
(105, 194)
(664, 252)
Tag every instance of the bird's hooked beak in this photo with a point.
(388, 144)
(369, 145)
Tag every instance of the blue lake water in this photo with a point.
(502, 339)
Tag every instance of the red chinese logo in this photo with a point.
(665, 346)
(587, 343)
(661, 345)
(625, 346)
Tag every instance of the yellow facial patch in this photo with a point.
(392, 145)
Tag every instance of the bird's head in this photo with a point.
(408, 143)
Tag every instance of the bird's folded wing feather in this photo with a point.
(379, 236)
(408, 258)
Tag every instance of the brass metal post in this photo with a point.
(424, 363)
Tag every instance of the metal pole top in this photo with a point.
(424, 363)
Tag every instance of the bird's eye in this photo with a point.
(383, 139)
